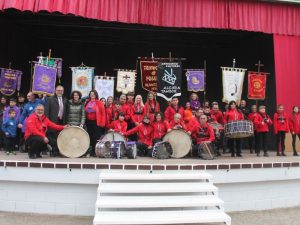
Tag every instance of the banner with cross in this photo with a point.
(126, 81)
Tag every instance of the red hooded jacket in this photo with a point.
(203, 133)
(144, 132)
(119, 126)
(99, 111)
(160, 129)
(262, 122)
(294, 123)
(281, 122)
(232, 115)
(171, 111)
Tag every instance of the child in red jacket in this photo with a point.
(281, 127)
(261, 122)
(119, 125)
(294, 125)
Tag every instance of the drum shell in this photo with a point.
(131, 150)
(239, 129)
(102, 149)
(180, 141)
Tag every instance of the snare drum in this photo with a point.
(239, 129)
(180, 141)
(73, 142)
(131, 150)
(102, 149)
(110, 149)
(162, 150)
(113, 136)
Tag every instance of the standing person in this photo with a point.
(160, 127)
(35, 134)
(216, 112)
(111, 112)
(55, 110)
(194, 102)
(12, 105)
(145, 134)
(95, 119)
(21, 102)
(122, 106)
(206, 104)
(20, 134)
(137, 110)
(172, 109)
(281, 127)
(262, 122)
(103, 100)
(3, 104)
(294, 125)
(75, 112)
(233, 114)
(210, 118)
(243, 108)
(119, 125)
(9, 127)
(188, 113)
(151, 106)
(251, 116)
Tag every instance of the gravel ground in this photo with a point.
(286, 216)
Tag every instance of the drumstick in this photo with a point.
(208, 149)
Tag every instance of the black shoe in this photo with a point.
(266, 154)
(251, 151)
(232, 155)
(283, 154)
(278, 154)
(239, 155)
(32, 156)
(258, 154)
(39, 156)
(295, 153)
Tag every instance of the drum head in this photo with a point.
(73, 142)
(113, 136)
(180, 141)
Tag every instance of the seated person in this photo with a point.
(119, 125)
(145, 134)
(177, 123)
(37, 125)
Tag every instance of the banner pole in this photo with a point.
(31, 75)
(259, 65)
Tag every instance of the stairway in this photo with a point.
(158, 197)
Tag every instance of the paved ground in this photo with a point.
(147, 160)
(287, 216)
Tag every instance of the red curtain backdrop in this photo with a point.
(223, 14)
(287, 69)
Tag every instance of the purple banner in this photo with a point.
(8, 81)
(195, 80)
(44, 79)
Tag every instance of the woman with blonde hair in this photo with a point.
(138, 110)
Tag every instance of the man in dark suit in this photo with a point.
(55, 109)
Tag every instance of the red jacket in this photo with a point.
(251, 117)
(280, 122)
(294, 123)
(150, 108)
(260, 124)
(203, 133)
(219, 116)
(170, 112)
(179, 125)
(193, 122)
(100, 112)
(160, 129)
(111, 114)
(232, 115)
(144, 132)
(211, 118)
(39, 126)
(137, 113)
(126, 110)
(119, 126)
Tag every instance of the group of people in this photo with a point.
(36, 123)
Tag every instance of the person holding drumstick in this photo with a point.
(37, 125)
(233, 114)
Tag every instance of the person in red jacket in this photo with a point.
(233, 114)
(137, 110)
(203, 133)
(122, 106)
(177, 123)
(151, 106)
(281, 127)
(210, 118)
(294, 125)
(195, 120)
(261, 123)
(119, 125)
(145, 134)
(37, 125)
(95, 119)
(172, 109)
(111, 111)
(251, 116)
(160, 127)
(216, 112)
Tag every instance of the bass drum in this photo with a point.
(73, 142)
(180, 141)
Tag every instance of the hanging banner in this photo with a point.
(195, 80)
(257, 85)
(233, 79)
(126, 81)
(82, 80)
(44, 78)
(104, 86)
(169, 80)
(9, 81)
(149, 75)
(53, 62)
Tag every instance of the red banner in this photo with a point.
(149, 75)
(257, 85)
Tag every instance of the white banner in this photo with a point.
(233, 80)
(126, 81)
(82, 79)
(104, 86)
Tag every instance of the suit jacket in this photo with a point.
(52, 108)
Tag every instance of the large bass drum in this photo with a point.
(73, 142)
(180, 141)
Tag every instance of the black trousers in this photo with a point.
(294, 137)
(235, 145)
(10, 144)
(261, 141)
(280, 141)
(143, 149)
(95, 132)
(252, 141)
(35, 145)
